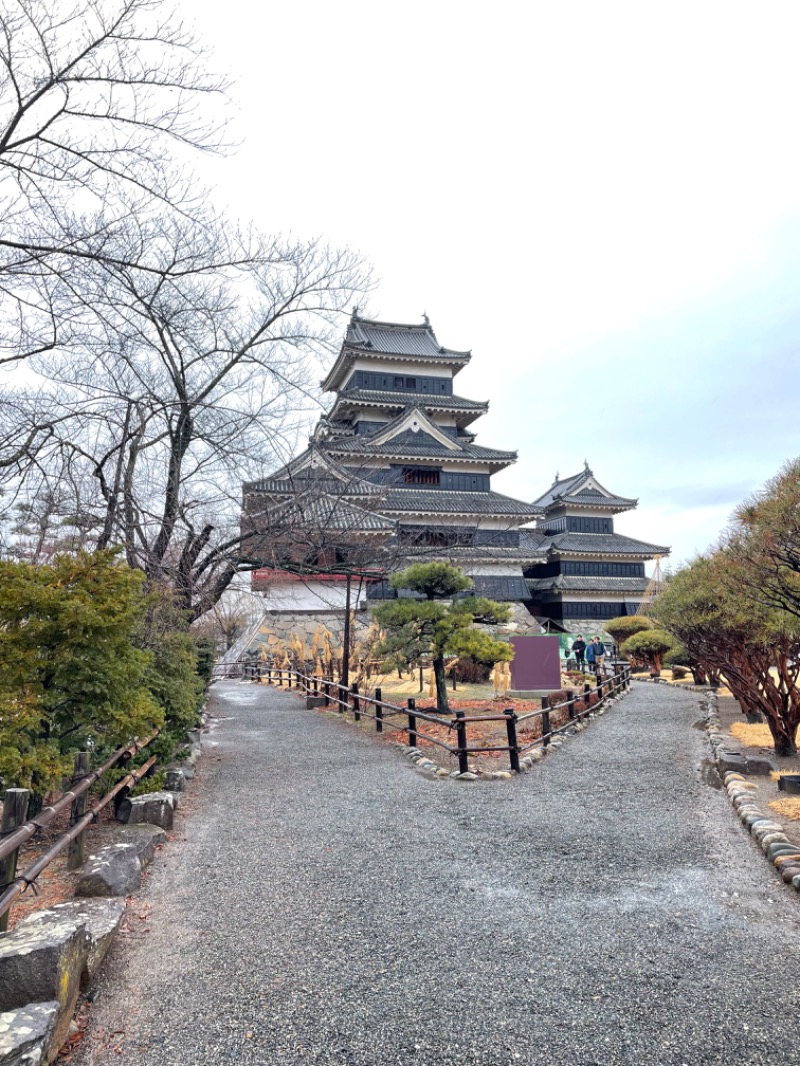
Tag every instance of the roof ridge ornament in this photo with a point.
(586, 468)
(425, 319)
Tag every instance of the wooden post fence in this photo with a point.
(356, 703)
(412, 723)
(511, 730)
(461, 735)
(378, 711)
(15, 811)
(77, 847)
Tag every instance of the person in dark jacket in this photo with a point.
(579, 649)
(590, 654)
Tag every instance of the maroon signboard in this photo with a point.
(536, 666)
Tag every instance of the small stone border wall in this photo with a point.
(768, 834)
(430, 768)
(52, 955)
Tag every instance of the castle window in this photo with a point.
(420, 475)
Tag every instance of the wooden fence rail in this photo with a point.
(16, 830)
(375, 708)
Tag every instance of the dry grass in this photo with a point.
(787, 808)
(756, 735)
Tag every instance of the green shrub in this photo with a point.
(677, 656)
(152, 783)
(679, 673)
(619, 629)
(173, 677)
(72, 677)
(649, 646)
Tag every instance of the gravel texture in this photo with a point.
(331, 904)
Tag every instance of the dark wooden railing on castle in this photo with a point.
(390, 716)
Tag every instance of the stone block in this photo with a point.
(174, 780)
(763, 828)
(99, 918)
(42, 963)
(27, 1034)
(114, 871)
(143, 838)
(761, 765)
(772, 838)
(194, 754)
(155, 808)
(731, 761)
(314, 701)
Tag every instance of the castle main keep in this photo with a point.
(393, 468)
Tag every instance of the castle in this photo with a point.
(394, 468)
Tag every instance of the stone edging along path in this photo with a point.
(53, 954)
(768, 834)
(431, 768)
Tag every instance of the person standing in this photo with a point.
(579, 650)
(599, 655)
(590, 655)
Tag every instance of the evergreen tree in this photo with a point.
(439, 625)
(72, 676)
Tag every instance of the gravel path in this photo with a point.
(332, 905)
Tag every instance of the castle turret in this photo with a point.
(590, 573)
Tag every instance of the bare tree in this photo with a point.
(178, 383)
(99, 102)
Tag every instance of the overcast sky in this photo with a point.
(600, 200)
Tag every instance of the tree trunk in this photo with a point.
(441, 685)
(783, 737)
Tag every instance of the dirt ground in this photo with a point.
(474, 700)
(56, 883)
(779, 805)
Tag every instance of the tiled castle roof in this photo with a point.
(395, 338)
(417, 446)
(414, 500)
(582, 490)
(569, 583)
(423, 400)
(368, 337)
(600, 544)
